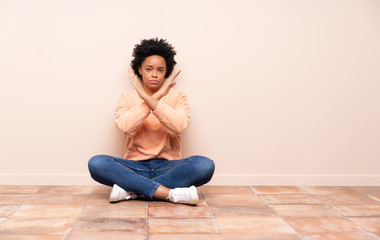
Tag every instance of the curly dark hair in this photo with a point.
(153, 46)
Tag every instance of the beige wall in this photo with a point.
(281, 92)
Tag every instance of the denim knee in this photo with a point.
(97, 166)
(204, 166)
(95, 163)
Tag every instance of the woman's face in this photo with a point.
(153, 70)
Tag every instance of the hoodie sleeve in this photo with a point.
(129, 118)
(175, 119)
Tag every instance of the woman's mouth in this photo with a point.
(153, 81)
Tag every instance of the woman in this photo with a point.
(152, 116)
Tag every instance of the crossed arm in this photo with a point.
(129, 118)
(152, 101)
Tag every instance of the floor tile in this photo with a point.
(273, 199)
(225, 190)
(346, 199)
(45, 199)
(13, 199)
(33, 237)
(254, 225)
(185, 237)
(276, 190)
(7, 210)
(106, 236)
(110, 225)
(371, 224)
(178, 225)
(113, 211)
(104, 190)
(261, 237)
(28, 226)
(367, 189)
(305, 211)
(323, 225)
(178, 211)
(359, 210)
(327, 190)
(66, 189)
(233, 199)
(241, 211)
(48, 211)
(166, 203)
(18, 189)
(98, 199)
(349, 236)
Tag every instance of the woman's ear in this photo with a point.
(140, 71)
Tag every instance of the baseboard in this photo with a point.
(46, 179)
(232, 180)
(297, 180)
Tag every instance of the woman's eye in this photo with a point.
(161, 71)
(148, 69)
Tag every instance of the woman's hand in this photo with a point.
(152, 101)
(166, 86)
(137, 83)
(149, 100)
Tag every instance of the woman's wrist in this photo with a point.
(150, 101)
(157, 95)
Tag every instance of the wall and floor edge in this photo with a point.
(218, 179)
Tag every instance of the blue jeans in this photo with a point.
(144, 177)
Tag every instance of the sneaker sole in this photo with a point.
(195, 201)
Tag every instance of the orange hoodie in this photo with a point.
(152, 134)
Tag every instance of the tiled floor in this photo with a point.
(231, 213)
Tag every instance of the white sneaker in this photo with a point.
(118, 194)
(187, 195)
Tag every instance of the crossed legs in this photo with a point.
(153, 178)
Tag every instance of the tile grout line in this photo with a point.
(21, 204)
(267, 204)
(220, 233)
(323, 203)
(344, 216)
(348, 217)
(372, 197)
(146, 219)
(213, 216)
(315, 196)
(368, 194)
(341, 213)
(76, 218)
(10, 215)
(14, 211)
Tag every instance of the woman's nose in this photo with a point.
(154, 74)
